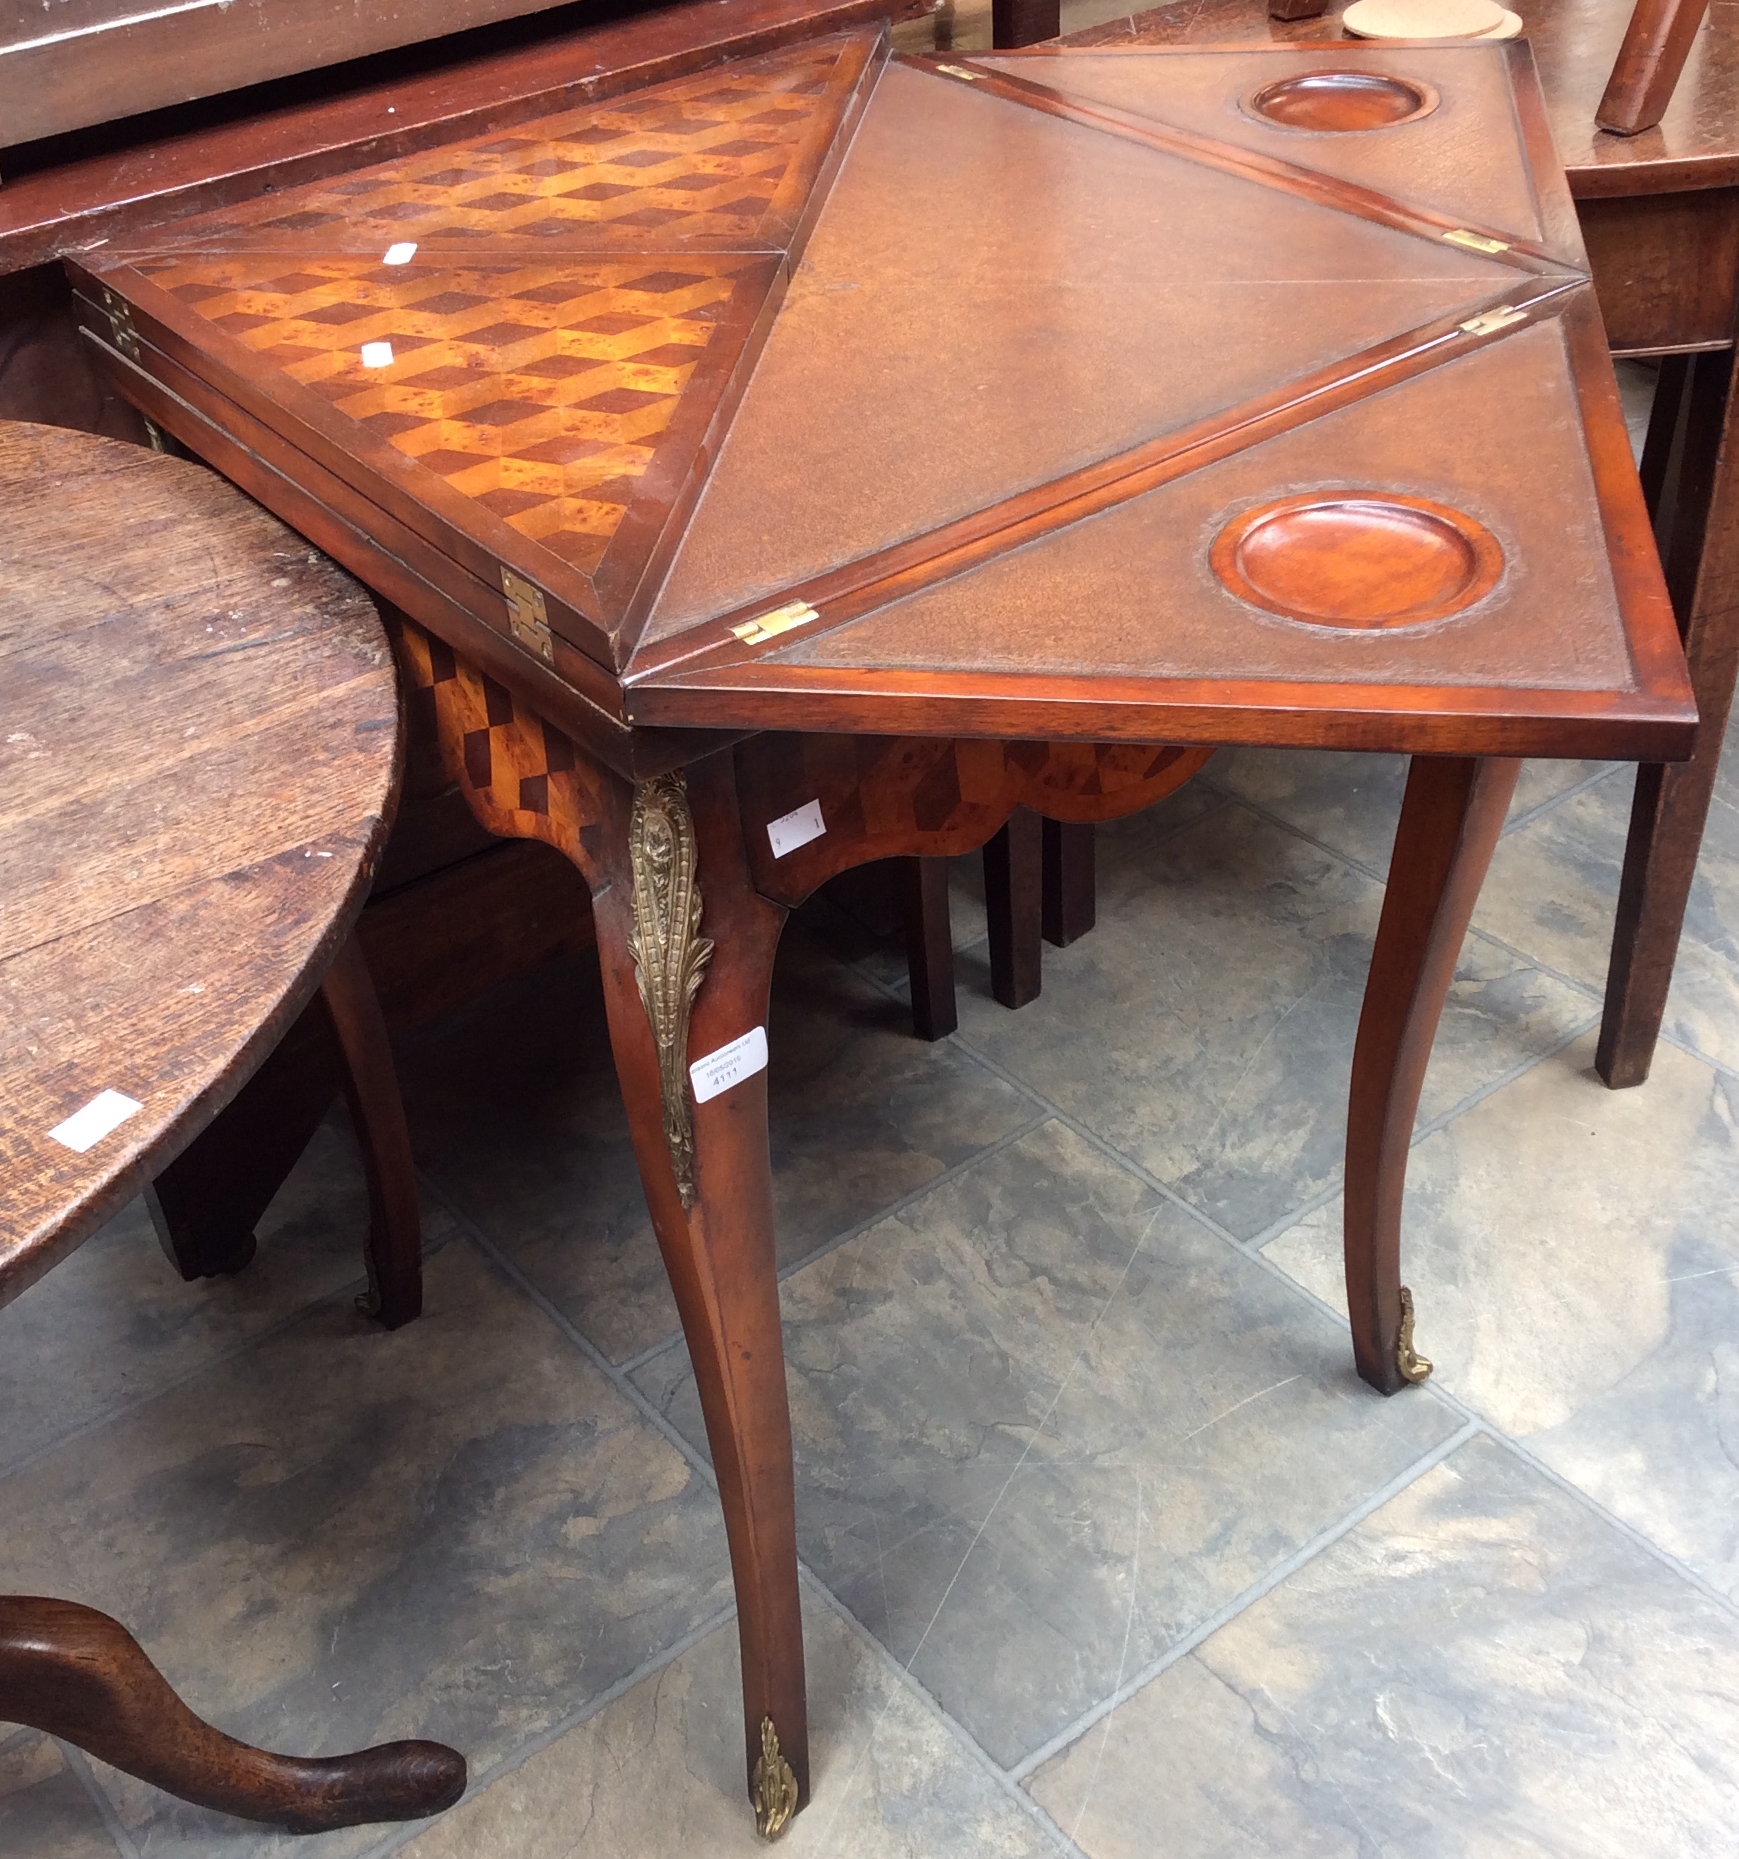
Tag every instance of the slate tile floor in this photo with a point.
(1107, 1552)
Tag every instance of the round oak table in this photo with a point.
(200, 743)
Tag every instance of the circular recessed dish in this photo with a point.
(1366, 560)
(1338, 101)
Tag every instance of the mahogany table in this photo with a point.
(1659, 214)
(818, 458)
(199, 733)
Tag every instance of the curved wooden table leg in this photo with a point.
(1672, 802)
(678, 920)
(1450, 820)
(395, 1235)
(81, 1676)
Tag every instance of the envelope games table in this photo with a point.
(815, 459)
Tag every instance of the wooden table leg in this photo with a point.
(929, 947)
(395, 1235)
(1013, 905)
(81, 1676)
(1071, 903)
(685, 949)
(1701, 553)
(1450, 820)
(686, 945)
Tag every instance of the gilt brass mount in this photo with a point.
(1412, 1365)
(670, 954)
(775, 1786)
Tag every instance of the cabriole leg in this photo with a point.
(1450, 820)
(686, 947)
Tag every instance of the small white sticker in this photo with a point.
(795, 828)
(402, 253)
(731, 1064)
(377, 354)
(108, 1110)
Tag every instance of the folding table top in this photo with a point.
(1249, 394)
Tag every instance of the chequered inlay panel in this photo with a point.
(544, 392)
(520, 774)
(701, 159)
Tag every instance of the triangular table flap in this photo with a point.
(549, 417)
(993, 297)
(1149, 594)
(723, 160)
(1437, 125)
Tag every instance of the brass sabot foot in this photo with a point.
(1413, 1366)
(775, 1786)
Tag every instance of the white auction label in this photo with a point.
(731, 1064)
(402, 253)
(108, 1110)
(377, 354)
(795, 828)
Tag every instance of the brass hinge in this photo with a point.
(1475, 241)
(527, 616)
(126, 337)
(1490, 321)
(771, 625)
(960, 71)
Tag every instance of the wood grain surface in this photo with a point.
(199, 733)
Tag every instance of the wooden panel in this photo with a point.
(184, 166)
(92, 60)
(1666, 268)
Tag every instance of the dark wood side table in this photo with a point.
(819, 459)
(1660, 217)
(199, 735)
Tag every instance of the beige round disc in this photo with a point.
(1424, 19)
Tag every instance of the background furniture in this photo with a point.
(201, 752)
(1659, 212)
(740, 534)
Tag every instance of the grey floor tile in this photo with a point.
(1046, 1423)
(1205, 1028)
(1551, 894)
(659, 1773)
(861, 1114)
(1574, 1256)
(459, 1530)
(1351, 802)
(116, 1323)
(1482, 1667)
(45, 1810)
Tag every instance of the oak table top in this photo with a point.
(200, 748)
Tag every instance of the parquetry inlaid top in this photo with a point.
(1194, 395)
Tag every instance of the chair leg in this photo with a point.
(1013, 902)
(395, 1241)
(929, 947)
(1023, 22)
(1070, 894)
(1672, 801)
(81, 1676)
(1450, 820)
